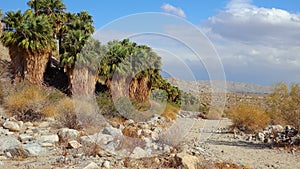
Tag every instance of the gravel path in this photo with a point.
(254, 154)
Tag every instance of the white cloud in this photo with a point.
(256, 43)
(172, 9)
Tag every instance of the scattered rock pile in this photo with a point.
(279, 136)
(122, 146)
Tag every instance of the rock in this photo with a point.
(28, 124)
(112, 131)
(260, 136)
(101, 139)
(109, 147)
(148, 142)
(155, 136)
(25, 137)
(129, 122)
(5, 131)
(44, 124)
(11, 147)
(146, 133)
(34, 149)
(48, 139)
(46, 144)
(106, 164)
(88, 165)
(12, 126)
(166, 149)
(66, 134)
(74, 144)
(143, 125)
(277, 128)
(8, 142)
(138, 152)
(188, 161)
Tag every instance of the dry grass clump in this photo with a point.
(29, 102)
(214, 113)
(248, 118)
(26, 103)
(79, 114)
(171, 111)
(67, 115)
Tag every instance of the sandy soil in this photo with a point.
(253, 154)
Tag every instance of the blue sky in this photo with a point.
(105, 11)
(257, 41)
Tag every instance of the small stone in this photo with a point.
(106, 164)
(8, 154)
(128, 122)
(74, 144)
(88, 165)
(44, 124)
(12, 126)
(48, 138)
(66, 134)
(25, 137)
(34, 149)
(5, 131)
(138, 152)
(112, 131)
(188, 161)
(3, 158)
(101, 139)
(28, 124)
(45, 144)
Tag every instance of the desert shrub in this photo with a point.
(50, 111)
(26, 103)
(80, 113)
(283, 105)
(214, 113)
(30, 103)
(67, 115)
(248, 118)
(106, 105)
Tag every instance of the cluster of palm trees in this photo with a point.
(43, 31)
(46, 30)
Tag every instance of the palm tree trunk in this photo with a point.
(36, 63)
(28, 65)
(18, 63)
(140, 89)
(82, 82)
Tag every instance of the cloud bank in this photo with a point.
(259, 45)
(172, 9)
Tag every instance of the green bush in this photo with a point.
(105, 103)
(283, 105)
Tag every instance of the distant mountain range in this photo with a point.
(219, 86)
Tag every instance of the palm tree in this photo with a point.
(75, 35)
(29, 40)
(1, 15)
(129, 70)
(55, 10)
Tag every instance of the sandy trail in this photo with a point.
(254, 154)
